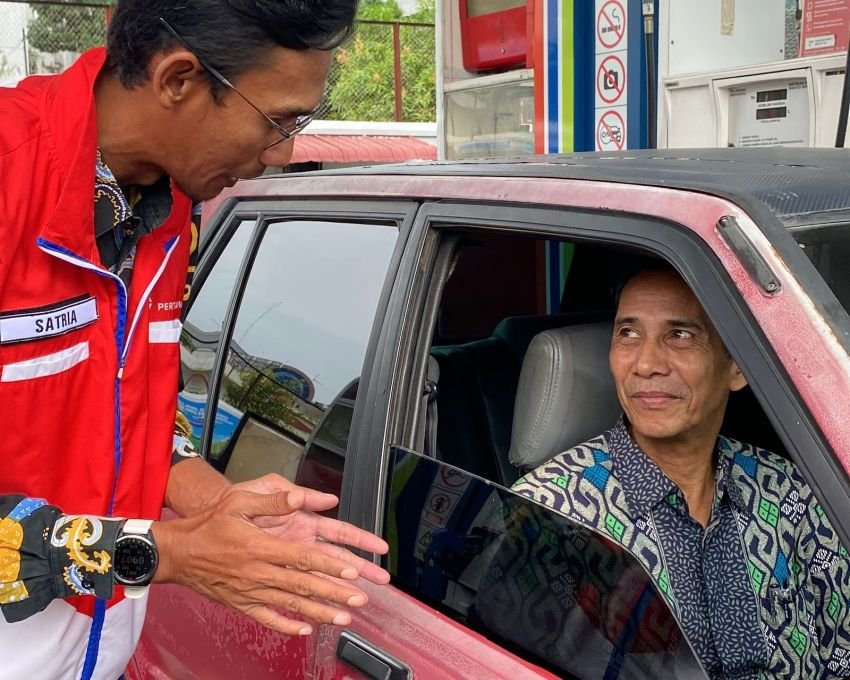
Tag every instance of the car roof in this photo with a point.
(799, 186)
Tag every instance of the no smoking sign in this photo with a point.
(610, 26)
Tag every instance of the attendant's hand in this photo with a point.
(276, 570)
(315, 501)
(303, 525)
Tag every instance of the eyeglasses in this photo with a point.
(286, 132)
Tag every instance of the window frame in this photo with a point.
(399, 354)
(394, 214)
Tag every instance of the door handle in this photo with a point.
(370, 660)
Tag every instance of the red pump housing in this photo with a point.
(495, 34)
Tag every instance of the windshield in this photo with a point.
(551, 590)
(828, 247)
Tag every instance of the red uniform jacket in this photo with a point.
(88, 375)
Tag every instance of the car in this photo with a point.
(364, 331)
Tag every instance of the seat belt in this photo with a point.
(426, 436)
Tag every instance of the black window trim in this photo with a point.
(700, 267)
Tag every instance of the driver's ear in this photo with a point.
(737, 381)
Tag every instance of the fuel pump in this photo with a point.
(759, 73)
(555, 76)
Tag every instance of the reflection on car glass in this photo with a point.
(278, 392)
(553, 591)
(310, 302)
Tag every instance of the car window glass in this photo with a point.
(203, 327)
(297, 350)
(554, 592)
(828, 247)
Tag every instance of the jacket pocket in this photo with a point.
(49, 364)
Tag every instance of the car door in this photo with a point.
(453, 608)
(473, 566)
(449, 531)
(273, 345)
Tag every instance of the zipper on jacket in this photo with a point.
(123, 337)
(122, 359)
(122, 343)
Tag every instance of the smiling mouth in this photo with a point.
(653, 398)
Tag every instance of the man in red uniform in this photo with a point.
(100, 167)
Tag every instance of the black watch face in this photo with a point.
(135, 560)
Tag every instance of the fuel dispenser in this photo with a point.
(754, 73)
(556, 76)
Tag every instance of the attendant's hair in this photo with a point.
(232, 35)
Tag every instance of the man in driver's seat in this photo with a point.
(731, 534)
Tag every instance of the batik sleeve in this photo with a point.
(825, 564)
(45, 555)
(182, 447)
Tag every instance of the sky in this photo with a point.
(310, 300)
(407, 6)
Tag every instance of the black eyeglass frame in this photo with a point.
(301, 121)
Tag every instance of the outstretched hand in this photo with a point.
(262, 550)
(304, 526)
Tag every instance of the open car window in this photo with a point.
(554, 592)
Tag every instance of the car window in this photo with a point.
(554, 592)
(297, 349)
(203, 327)
(828, 247)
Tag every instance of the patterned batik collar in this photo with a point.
(644, 483)
(109, 197)
(152, 211)
(726, 486)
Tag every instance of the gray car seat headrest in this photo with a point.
(566, 394)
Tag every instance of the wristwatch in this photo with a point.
(136, 557)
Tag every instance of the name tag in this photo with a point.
(47, 322)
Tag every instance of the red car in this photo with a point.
(363, 331)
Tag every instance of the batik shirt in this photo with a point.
(762, 592)
(41, 550)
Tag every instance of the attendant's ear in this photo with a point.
(177, 76)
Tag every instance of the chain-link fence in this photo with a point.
(46, 37)
(384, 73)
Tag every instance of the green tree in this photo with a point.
(55, 28)
(261, 393)
(362, 75)
(379, 10)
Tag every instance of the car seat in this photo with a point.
(477, 388)
(566, 394)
